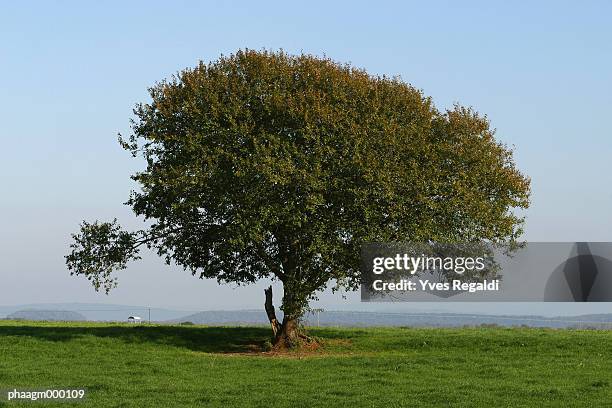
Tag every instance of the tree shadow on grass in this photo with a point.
(202, 339)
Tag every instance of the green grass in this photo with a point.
(166, 366)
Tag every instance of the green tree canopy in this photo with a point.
(269, 165)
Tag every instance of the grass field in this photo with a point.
(166, 366)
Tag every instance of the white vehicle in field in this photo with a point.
(134, 319)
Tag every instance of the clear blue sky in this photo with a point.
(70, 73)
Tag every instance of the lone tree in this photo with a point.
(269, 165)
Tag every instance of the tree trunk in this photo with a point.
(271, 312)
(289, 335)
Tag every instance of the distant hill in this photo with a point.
(372, 319)
(49, 315)
(226, 317)
(100, 311)
(441, 318)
